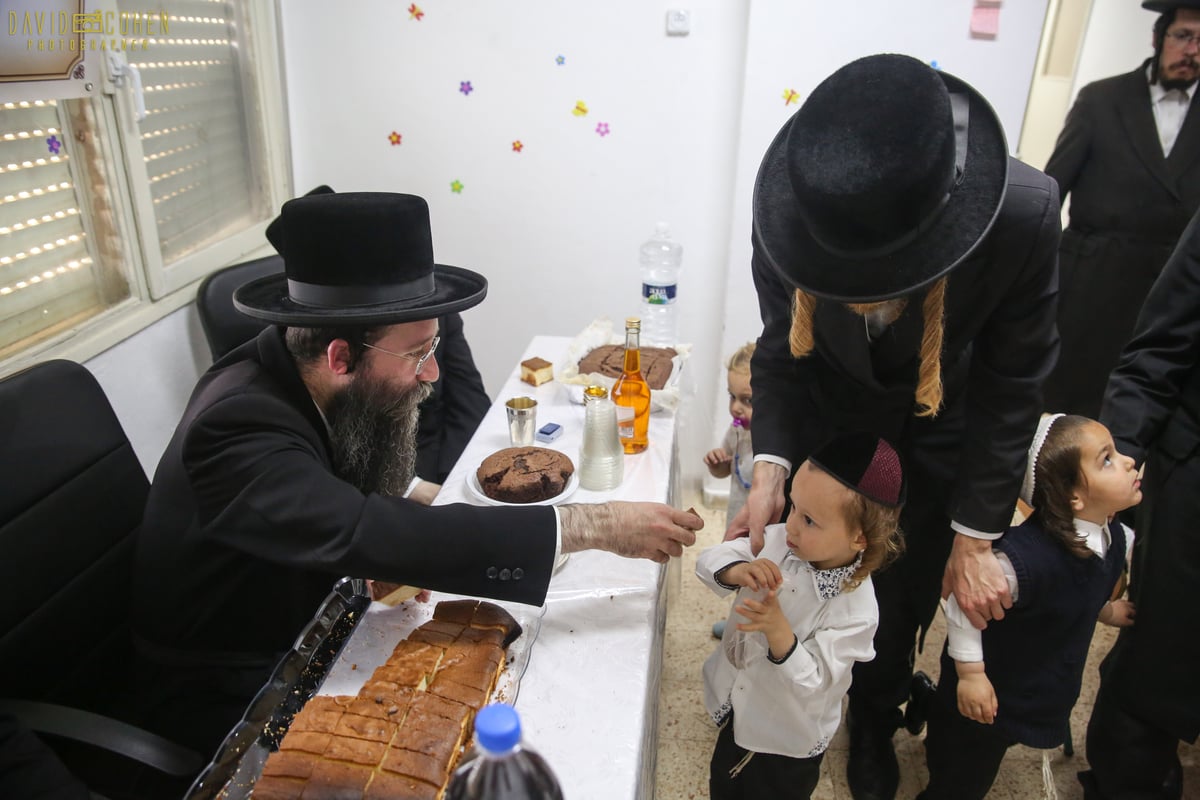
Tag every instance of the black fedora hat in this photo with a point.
(1163, 6)
(358, 258)
(886, 178)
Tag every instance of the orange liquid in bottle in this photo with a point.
(631, 394)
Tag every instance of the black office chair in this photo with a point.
(224, 326)
(72, 501)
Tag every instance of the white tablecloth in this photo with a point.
(589, 698)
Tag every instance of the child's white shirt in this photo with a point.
(792, 708)
(964, 642)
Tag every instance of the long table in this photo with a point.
(589, 697)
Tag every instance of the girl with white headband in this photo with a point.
(1016, 681)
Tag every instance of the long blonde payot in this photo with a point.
(928, 395)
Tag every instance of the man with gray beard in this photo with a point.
(288, 468)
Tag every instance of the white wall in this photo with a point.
(556, 227)
(148, 378)
(1118, 38)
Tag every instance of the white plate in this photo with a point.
(473, 485)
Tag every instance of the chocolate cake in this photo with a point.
(609, 360)
(401, 736)
(524, 474)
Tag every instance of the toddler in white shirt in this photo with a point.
(805, 613)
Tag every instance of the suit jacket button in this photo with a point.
(518, 573)
(505, 574)
(492, 572)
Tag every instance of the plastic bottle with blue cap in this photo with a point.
(504, 768)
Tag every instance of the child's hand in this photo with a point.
(976, 697)
(718, 462)
(1119, 613)
(762, 573)
(767, 616)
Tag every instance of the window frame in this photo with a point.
(156, 290)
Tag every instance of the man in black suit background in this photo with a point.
(1129, 157)
(905, 269)
(1149, 699)
(287, 469)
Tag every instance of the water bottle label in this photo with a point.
(658, 295)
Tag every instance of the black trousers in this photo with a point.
(907, 593)
(764, 776)
(963, 755)
(1130, 759)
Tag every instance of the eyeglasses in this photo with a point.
(420, 359)
(1184, 38)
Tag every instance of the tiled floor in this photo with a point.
(686, 736)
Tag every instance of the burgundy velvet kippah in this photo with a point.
(865, 463)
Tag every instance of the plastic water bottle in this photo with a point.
(661, 259)
(504, 769)
(602, 458)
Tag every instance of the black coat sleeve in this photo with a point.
(1145, 388)
(261, 484)
(1072, 149)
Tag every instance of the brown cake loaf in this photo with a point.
(524, 474)
(609, 360)
(401, 736)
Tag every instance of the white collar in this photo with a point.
(1096, 537)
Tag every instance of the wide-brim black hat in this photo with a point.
(888, 177)
(1163, 6)
(358, 258)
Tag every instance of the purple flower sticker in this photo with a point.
(465, 87)
(53, 145)
(602, 128)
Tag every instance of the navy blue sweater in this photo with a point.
(1035, 655)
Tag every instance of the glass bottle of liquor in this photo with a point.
(631, 394)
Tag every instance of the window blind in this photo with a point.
(196, 138)
(48, 277)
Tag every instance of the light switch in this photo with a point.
(679, 22)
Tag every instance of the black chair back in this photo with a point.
(73, 498)
(224, 326)
(70, 508)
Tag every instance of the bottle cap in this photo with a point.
(595, 390)
(497, 728)
(633, 322)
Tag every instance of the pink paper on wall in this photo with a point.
(985, 21)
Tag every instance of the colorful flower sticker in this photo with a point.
(934, 64)
(394, 138)
(456, 186)
(518, 146)
(580, 109)
(602, 128)
(560, 60)
(465, 87)
(53, 144)
(790, 96)
(415, 12)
